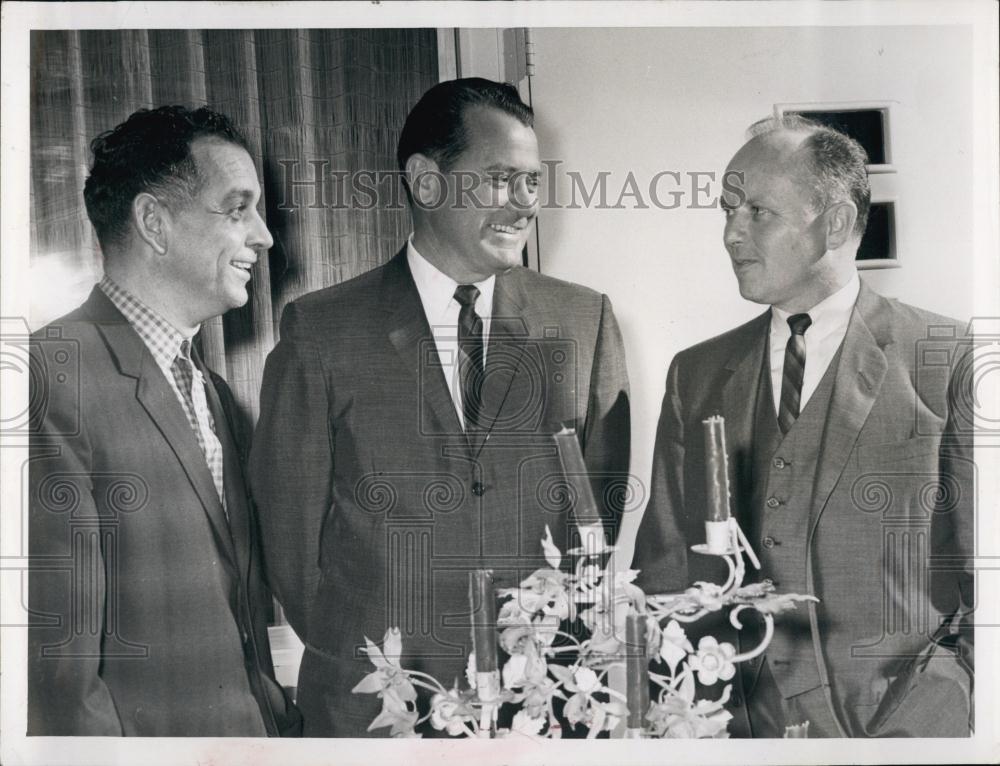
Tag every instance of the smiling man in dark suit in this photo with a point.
(149, 612)
(850, 457)
(407, 415)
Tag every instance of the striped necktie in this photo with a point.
(793, 371)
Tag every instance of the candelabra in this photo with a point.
(626, 627)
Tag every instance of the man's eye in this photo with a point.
(237, 212)
(758, 212)
(499, 180)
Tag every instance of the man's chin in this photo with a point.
(753, 294)
(508, 257)
(236, 300)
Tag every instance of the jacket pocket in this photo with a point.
(932, 697)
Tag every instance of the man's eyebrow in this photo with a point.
(238, 195)
(500, 168)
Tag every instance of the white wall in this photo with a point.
(680, 99)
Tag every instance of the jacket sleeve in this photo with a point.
(291, 467)
(67, 588)
(660, 548)
(954, 520)
(607, 445)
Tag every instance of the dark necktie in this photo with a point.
(470, 354)
(794, 369)
(192, 387)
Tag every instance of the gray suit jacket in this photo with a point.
(149, 611)
(891, 521)
(375, 504)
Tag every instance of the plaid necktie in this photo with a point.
(793, 371)
(192, 386)
(470, 354)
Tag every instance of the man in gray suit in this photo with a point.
(407, 415)
(850, 464)
(149, 609)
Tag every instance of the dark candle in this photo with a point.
(716, 471)
(575, 470)
(636, 669)
(484, 620)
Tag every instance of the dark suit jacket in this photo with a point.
(891, 519)
(374, 503)
(148, 608)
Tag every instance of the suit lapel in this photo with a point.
(738, 408)
(858, 380)
(410, 335)
(156, 396)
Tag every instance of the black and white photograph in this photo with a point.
(388, 382)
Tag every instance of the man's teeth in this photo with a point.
(241, 265)
(504, 229)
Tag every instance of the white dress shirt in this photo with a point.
(830, 318)
(437, 294)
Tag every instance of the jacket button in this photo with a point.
(478, 489)
(773, 502)
(769, 542)
(779, 463)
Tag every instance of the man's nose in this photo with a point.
(259, 237)
(735, 230)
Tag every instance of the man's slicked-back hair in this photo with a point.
(436, 127)
(836, 163)
(148, 153)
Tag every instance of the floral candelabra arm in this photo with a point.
(713, 661)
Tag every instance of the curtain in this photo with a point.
(310, 102)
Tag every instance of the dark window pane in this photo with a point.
(877, 241)
(866, 126)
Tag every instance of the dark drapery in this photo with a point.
(309, 101)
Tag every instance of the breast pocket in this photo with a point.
(921, 449)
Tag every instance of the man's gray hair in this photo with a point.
(837, 163)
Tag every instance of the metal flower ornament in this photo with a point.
(564, 631)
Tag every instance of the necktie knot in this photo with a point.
(467, 295)
(799, 323)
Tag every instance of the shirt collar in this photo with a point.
(437, 289)
(831, 312)
(164, 340)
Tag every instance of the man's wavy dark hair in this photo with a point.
(149, 152)
(436, 125)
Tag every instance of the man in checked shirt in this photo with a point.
(149, 609)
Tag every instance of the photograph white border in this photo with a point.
(20, 18)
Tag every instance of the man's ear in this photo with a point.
(839, 220)
(150, 219)
(426, 181)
